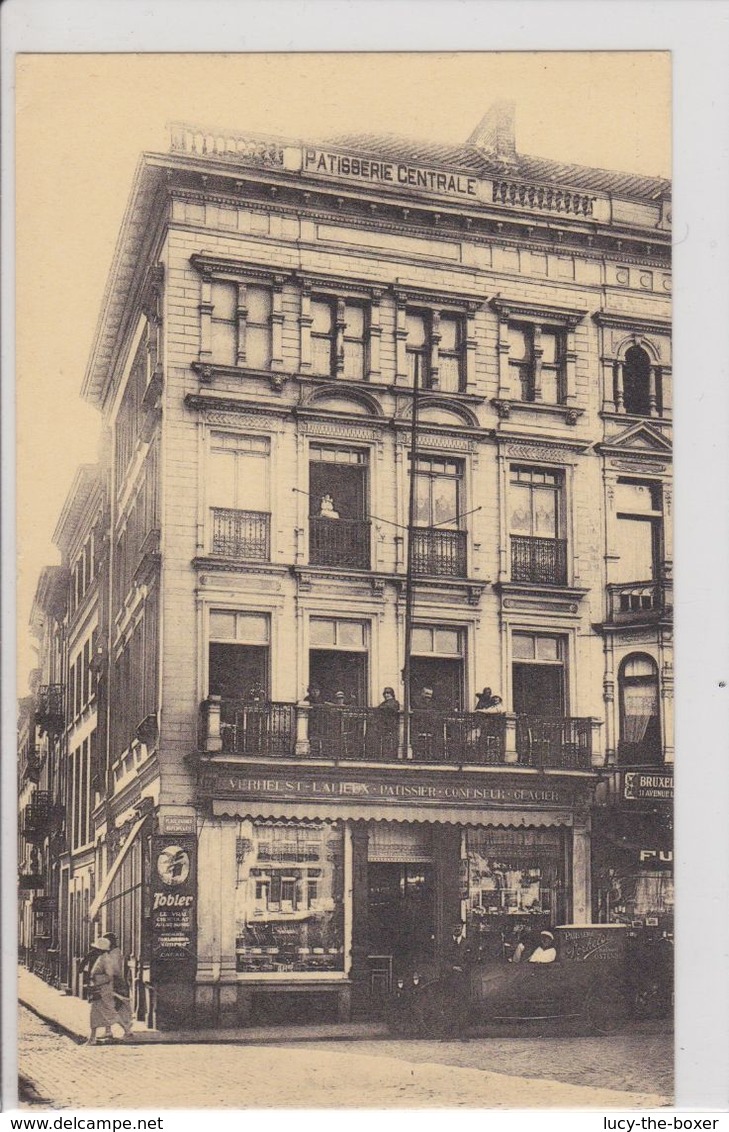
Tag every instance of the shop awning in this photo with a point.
(442, 815)
(118, 862)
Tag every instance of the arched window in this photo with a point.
(640, 727)
(641, 396)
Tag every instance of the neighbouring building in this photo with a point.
(381, 414)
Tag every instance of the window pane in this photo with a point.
(416, 330)
(636, 497)
(550, 387)
(222, 626)
(225, 301)
(422, 640)
(350, 634)
(355, 321)
(518, 344)
(549, 347)
(640, 666)
(258, 347)
(522, 646)
(221, 479)
(448, 641)
(521, 501)
(635, 550)
(321, 312)
(224, 343)
(422, 501)
(354, 360)
(545, 513)
(547, 648)
(445, 501)
(289, 897)
(258, 304)
(449, 333)
(252, 628)
(321, 631)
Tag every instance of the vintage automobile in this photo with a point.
(587, 982)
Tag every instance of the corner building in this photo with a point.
(275, 315)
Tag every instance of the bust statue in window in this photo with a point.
(326, 508)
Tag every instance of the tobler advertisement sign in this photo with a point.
(174, 904)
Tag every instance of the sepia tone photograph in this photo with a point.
(345, 580)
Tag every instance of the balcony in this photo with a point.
(639, 601)
(340, 542)
(539, 560)
(40, 816)
(30, 766)
(439, 552)
(49, 714)
(252, 729)
(546, 742)
(242, 535)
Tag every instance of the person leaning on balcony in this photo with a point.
(485, 701)
(326, 508)
(387, 722)
(546, 952)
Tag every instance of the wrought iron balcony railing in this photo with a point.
(638, 601)
(439, 552)
(540, 560)
(544, 741)
(340, 542)
(455, 738)
(49, 709)
(41, 815)
(241, 534)
(257, 729)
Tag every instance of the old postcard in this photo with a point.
(345, 395)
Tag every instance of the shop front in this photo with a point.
(632, 868)
(316, 889)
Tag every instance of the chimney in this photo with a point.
(495, 132)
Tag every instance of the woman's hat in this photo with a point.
(101, 943)
(547, 934)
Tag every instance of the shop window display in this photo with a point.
(289, 907)
(513, 878)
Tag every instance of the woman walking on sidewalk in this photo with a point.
(119, 984)
(104, 1012)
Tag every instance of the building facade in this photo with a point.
(382, 415)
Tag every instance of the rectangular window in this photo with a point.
(339, 527)
(257, 334)
(538, 674)
(434, 349)
(439, 542)
(238, 479)
(289, 898)
(513, 873)
(338, 338)
(639, 531)
(538, 550)
(437, 661)
(225, 323)
(537, 362)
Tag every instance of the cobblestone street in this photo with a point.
(633, 1070)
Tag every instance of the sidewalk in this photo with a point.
(71, 1015)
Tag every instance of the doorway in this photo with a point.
(336, 670)
(401, 911)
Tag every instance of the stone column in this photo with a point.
(375, 334)
(581, 869)
(206, 318)
(619, 399)
(401, 337)
(359, 973)
(241, 314)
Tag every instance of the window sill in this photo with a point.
(505, 408)
(633, 418)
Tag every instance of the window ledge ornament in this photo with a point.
(505, 408)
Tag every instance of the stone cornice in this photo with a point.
(222, 265)
(563, 316)
(633, 321)
(218, 403)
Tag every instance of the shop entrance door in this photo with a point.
(401, 912)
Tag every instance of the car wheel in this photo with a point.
(605, 1008)
(436, 1014)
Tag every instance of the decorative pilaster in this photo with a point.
(401, 337)
(503, 348)
(241, 314)
(652, 399)
(469, 350)
(619, 393)
(375, 334)
(581, 871)
(277, 322)
(206, 317)
(435, 338)
(537, 354)
(305, 321)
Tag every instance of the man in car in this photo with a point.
(546, 952)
